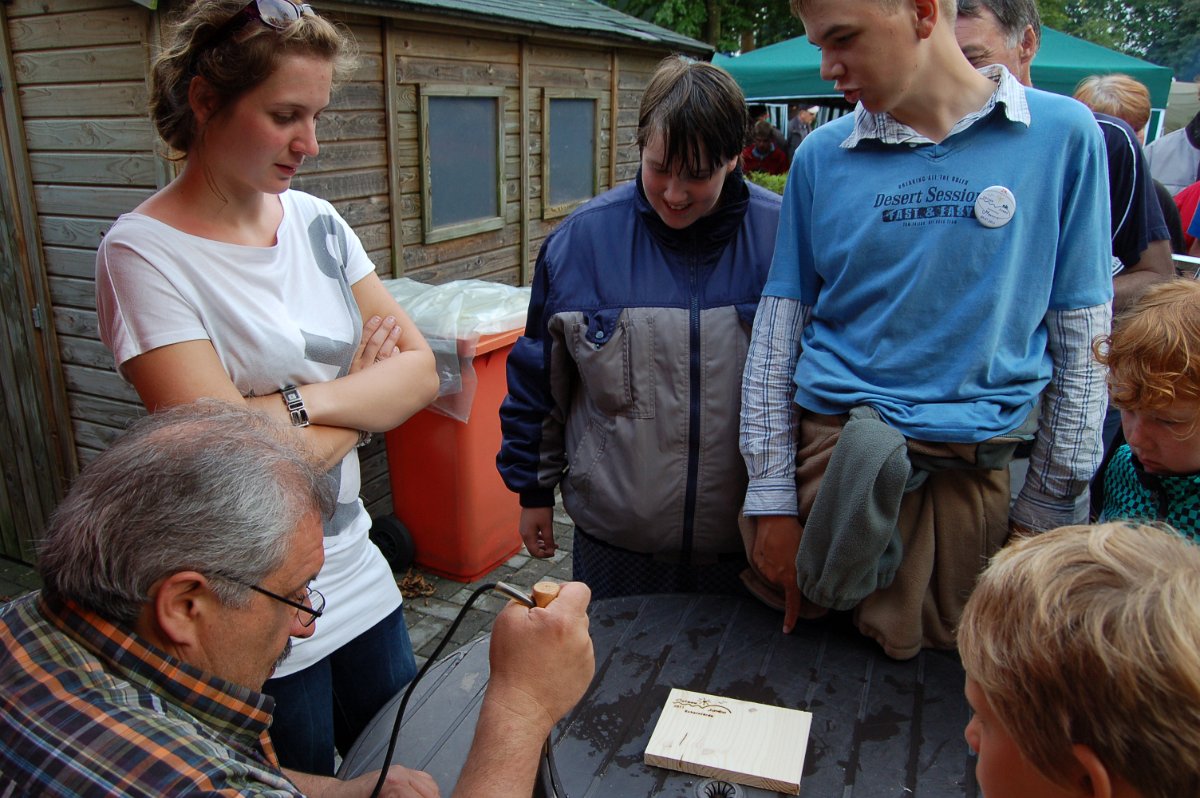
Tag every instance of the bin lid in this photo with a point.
(462, 309)
(488, 343)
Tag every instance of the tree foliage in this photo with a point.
(728, 25)
(1166, 32)
(1178, 44)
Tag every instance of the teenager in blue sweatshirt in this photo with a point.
(942, 261)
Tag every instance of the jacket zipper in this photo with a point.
(693, 464)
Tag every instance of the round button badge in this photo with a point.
(995, 206)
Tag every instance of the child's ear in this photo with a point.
(1094, 778)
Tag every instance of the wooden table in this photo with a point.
(880, 727)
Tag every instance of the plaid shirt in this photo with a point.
(87, 708)
(883, 126)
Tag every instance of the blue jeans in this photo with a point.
(330, 702)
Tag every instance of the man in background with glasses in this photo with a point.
(175, 574)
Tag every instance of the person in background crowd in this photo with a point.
(177, 573)
(1082, 653)
(1172, 218)
(1194, 232)
(624, 389)
(228, 284)
(1126, 99)
(799, 126)
(1186, 201)
(761, 155)
(1174, 159)
(1117, 95)
(900, 350)
(760, 113)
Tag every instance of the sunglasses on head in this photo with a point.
(277, 14)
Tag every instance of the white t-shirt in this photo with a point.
(275, 315)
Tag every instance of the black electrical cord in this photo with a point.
(547, 749)
(554, 784)
(395, 738)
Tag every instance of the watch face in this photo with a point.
(295, 406)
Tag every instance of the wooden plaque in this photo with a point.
(741, 741)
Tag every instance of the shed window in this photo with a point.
(570, 150)
(462, 140)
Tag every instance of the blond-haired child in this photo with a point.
(1082, 652)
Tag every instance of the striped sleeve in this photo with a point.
(1068, 447)
(770, 417)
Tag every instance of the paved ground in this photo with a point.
(15, 579)
(429, 616)
(431, 603)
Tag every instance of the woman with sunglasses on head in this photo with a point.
(229, 284)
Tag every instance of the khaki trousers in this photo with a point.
(950, 527)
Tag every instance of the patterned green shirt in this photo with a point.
(88, 708)
(1132, 494)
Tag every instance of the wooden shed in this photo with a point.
(469, 129)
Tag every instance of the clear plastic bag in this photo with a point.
(452, 317)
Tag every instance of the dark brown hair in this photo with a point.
(700, 111)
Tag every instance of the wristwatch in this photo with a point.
(295, 405)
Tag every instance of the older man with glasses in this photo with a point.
(176, 572)
(1009, 32)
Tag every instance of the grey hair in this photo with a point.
(1013, 16)
(211, 487)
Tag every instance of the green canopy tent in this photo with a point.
(792, 69)
(782, 71)
(1064, 60)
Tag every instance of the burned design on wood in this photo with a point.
(702, 707)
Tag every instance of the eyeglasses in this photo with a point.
(313, 606)
(277, 14)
